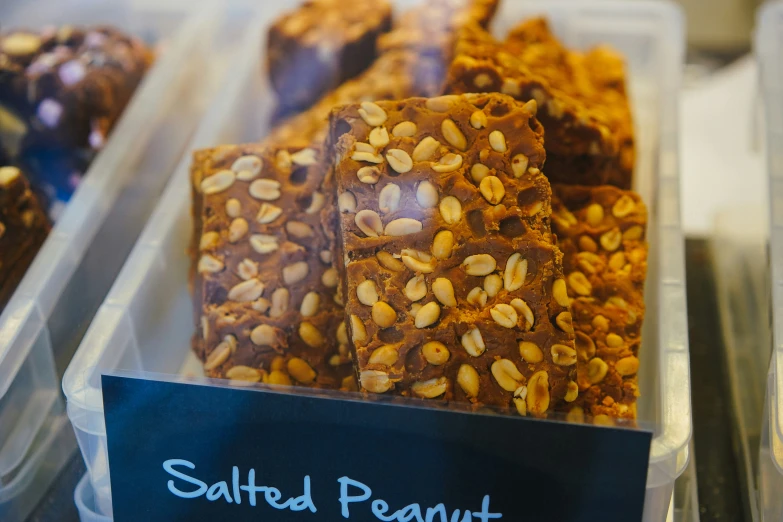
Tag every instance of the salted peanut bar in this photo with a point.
(264, 284)
(66, 87)
(453, 286)
(601, 231)
(23, 229)
(596, 77)
(574, 129)
(321, 44)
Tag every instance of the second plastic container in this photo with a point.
(145, 324)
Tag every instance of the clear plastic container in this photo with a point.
(48, 314)
(145, 324)
(769, 50)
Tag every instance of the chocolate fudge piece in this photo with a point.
(320, 45)
(264, 285)
(580, 144)
(453, 286)
(601, 231)
(23, 229)
(596, 77)
(66, 87)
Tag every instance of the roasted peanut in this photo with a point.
(473, 342)
(383, 315)
(468, 380)
(431, 388)
(435, 353)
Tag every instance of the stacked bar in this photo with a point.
(23, 229)
(596, 78)
(581, 145)
(320, 45)
(453, 285)
(601, 232)
(264, 285)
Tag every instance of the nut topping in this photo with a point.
(399, 160)
(623, 206)
(316, 204)
(519, 165)
(473, 342)
(563, 355)
(280, 300)
(468, 380)
(246, 291)
(453, 135)
(425, 149)
(299, 230)
(372, 114)
(492, 189)
(507, 375)
(263, 243)
(497, 141)
(310, 304)
(383, 315)
(444, 291)
(389, 262)
(450, 209)
(304, 157)
(435, 353)
(448, 163)
(431, 388)
(375, 381)
(369, 222)
(530, 352)
(477, 297)
(405, 129)
(386, 355)
(515, 272)
(560, 293)
(346, 202)
(443, 244)
(209, 264)
(247, 167)
(427, 315)
(218, 182)
(416, 288)
(492, 285)
(379, 137)
(295, 272)
(479, 264)
(367, 293)
(538, 393)
(418, 261)
(369, 175)
(504, 315)
(265, 189)
(389, 199)
(478, 120)
(403, 227)
(426, 195)
(358, 332)
(524, 310)
(268, 213)
(579, 283)
(478, 172)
